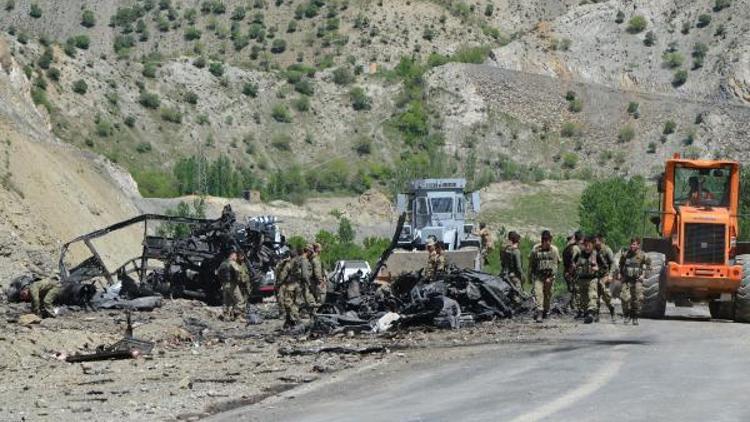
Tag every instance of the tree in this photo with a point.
(669, 127)
(650, 39)
(216, 69)
(343, 76)
(346, 231)
(278, 46)
(637, 24)
(619, 17)
(680, 77)
(614, 207)
(703, 20)
(88, 19)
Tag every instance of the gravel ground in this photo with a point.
(199, 366)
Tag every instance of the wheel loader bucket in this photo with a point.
(402, 261)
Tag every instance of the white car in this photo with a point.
(346, 269)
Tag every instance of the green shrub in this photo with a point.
(80, 87)
(192, 33)
(149, 70)
(650, 39)
(45, 60)
(35, 11)
(155, 184)
(281, 113)
(633, 107)
(103, 128)
(10, 5)
(304, 86)
(651, 149)
(130, 121)
(626, 134)
(569, 130)
(278, 46)
(343, 76)
(569, 160)
(680, 77)
(143, 147)
(191, 97)
(720, 5)
(170, 114)
(673, 59)
(250, 89)
(216, 69)
(619, 17)
(88, 19)
(699, 54)
(576, 105)
(302, 103)
(360, 100)
(669, 127)
(475, 55)
(123, 43)
(703, 20)
(53, 73)
(82, 42)
(149, 100)
(199, 62)
(239, 13)
(363, 146)
(282, 142)
(637, 24)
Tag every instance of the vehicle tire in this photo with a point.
(654, 297)
(742, 297)
(721, 310)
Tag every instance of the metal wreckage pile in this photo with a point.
(453, 299)
(185, 266)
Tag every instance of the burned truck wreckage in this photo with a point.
(182, 265)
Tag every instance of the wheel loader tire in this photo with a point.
(721, 310)
(742, 297)
(654, 297)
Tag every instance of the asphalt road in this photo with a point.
(673, 370)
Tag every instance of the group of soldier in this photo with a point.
(300, 283)
(588, 268)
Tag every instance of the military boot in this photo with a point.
(612, 312)
(588, 318)
(538, 316)
(596, 316)
(579, 315)
(634, 317)
(545, 314)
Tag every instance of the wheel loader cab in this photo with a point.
(700, 200)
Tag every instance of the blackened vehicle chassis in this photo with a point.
(186, 266)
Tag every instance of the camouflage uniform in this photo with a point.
(245, 283)
(512, 265)
(302, 271)
(435, 265)
(486, 244)
(43, 294)
(633, 267)
(570, 253)
(287, 292)
(319, 284)
(587, 270)
(229, 274)
(608, 258)
(542, 270)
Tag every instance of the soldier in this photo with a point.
(287, 290)
(435, 260)
(588, 267)
(604, 281)
(303, 272)
(245, 284)
(43, 295)
(319, 281)
(229, 275)
(633, 267)
(486, 243)
(568, 256)
(510, 258)
(543, 263)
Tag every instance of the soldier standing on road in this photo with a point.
(303, 271)
(435, 260)
(543, 263)
(287, 290)
(42, 294)
(571, 251)
(245, 283)
(608, 257)
(510, 259)
(229, 275)
(486, 243)
(634, 264)
(588, 267)
(319, 281)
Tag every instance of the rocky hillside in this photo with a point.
(346, 94)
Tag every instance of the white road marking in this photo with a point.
(594, 383)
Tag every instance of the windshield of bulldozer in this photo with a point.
(702, 187)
